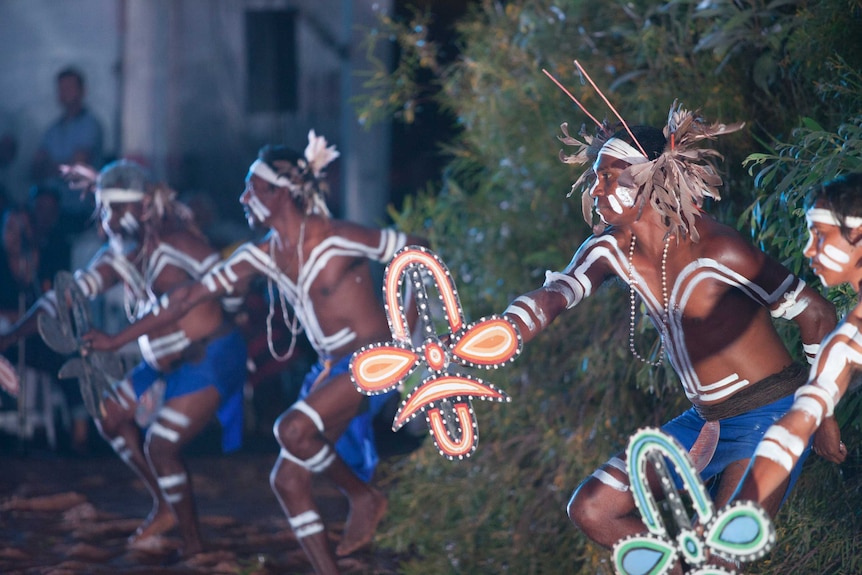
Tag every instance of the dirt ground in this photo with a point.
(70, 514)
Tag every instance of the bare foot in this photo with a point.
(160, 520)
(366, 511)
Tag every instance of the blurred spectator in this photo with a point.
(36, 246)
(75, 137)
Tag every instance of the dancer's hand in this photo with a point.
(827, 441)
(98, 341)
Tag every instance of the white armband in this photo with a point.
(566, 285)
(791, 306)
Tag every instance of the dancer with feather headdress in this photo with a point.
(319, 267)
(710, 294)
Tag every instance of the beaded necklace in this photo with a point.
(293, 324)
(665, 312)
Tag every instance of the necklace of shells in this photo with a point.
(632, 299)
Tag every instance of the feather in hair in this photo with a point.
(677, 182)
(317, 154)
(586, 152)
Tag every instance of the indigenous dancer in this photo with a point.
(192, 368)
(835, 249)
(320, 267)
(710, 294)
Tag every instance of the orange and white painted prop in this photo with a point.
(444, 395)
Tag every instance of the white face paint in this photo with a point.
(106, 213)
(129, 223)
(626, 196)
(615, 204)
(259, 211)
(834, 258)
(826, 247)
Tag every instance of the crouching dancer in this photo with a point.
(321, 269)
(193, 367)
(710, 294)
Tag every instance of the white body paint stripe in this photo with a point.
(772, 451)
(171, 415)
(809, 406)
(297, 293)
(171, 481)
(610, 480)
(787, 440)
(312, 414)
(165, 432)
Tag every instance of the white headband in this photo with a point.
(824, 216)
(616, 148)
(261, 169)
(118, 196)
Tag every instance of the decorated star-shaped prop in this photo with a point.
(96, 371)
(740, 532)
(445, 395)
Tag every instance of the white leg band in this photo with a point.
(173, 416)
(618, 464)
(118, 444)
(315, 463)
(303, 407)
(170, 481)
(610, 480)
(305, 524)
(165, 432)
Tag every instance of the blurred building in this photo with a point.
(193, 88)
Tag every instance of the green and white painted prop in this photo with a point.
(740, 532)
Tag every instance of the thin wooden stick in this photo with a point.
(614, 110)
(569, 94)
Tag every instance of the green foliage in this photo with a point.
(500, 218)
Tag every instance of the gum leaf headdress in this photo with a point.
(307, 176)
(586, 153)
(677, 182)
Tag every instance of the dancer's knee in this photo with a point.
(299, 431)
(592, 503)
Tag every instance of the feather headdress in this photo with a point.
(586, 152)
(307, 178)
(677, 182)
